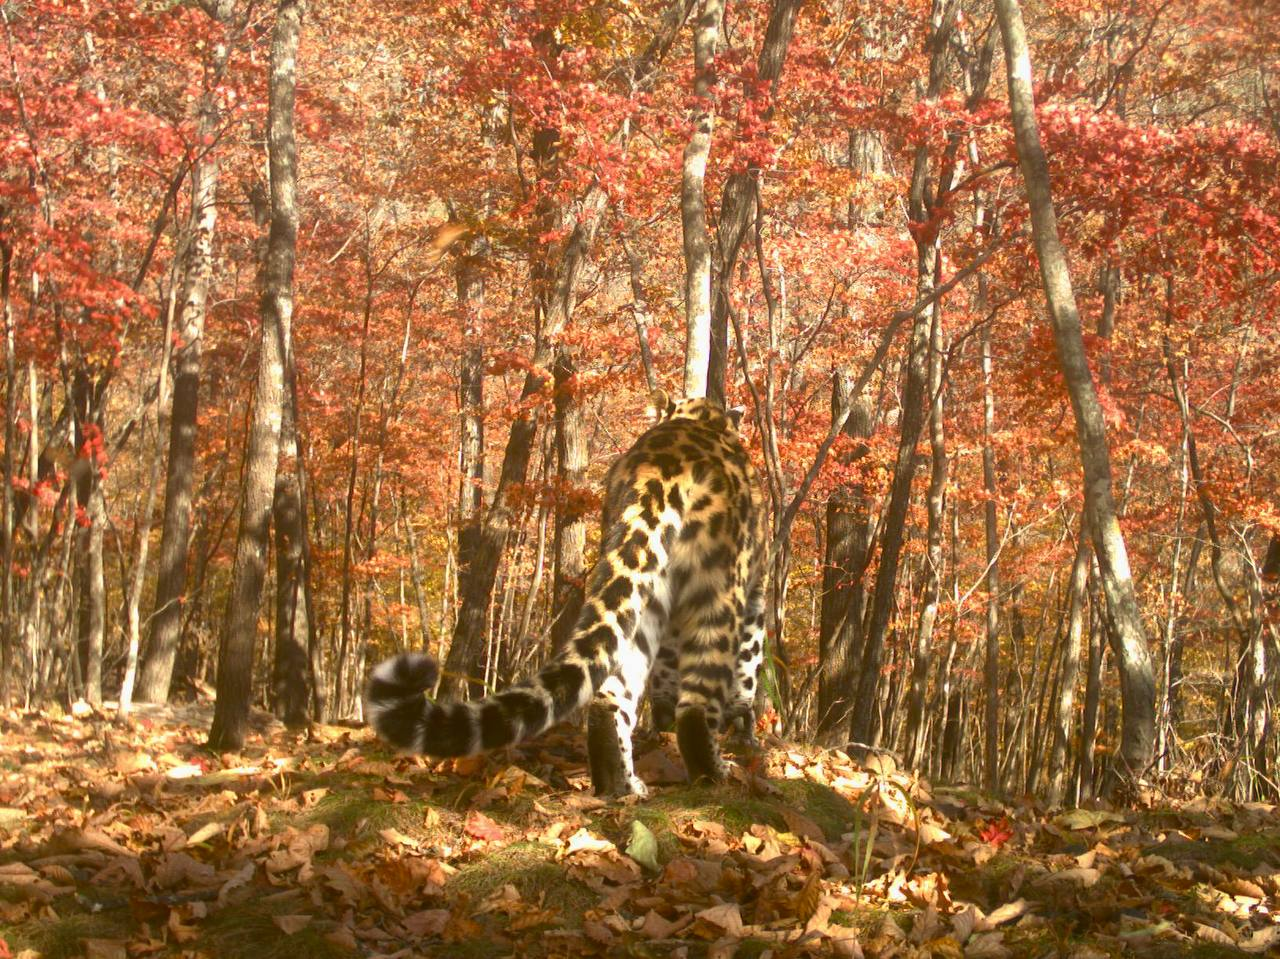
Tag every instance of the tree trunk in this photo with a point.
(1092, 692)
(480, 545)
(640, 314)
(7, 600)
(570, 541)
(478, 559)
(991, 659)
(351, 518)
(1064, 711)
(916, 376)
(175, 536)
(693, 201)
(737, 201)
(94, 596)
(931, 589)
(291, 679)
(1137, 680)
(849, 522)
(133, 592)
(239, 639)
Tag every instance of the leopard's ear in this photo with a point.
(735, 415)
(660, 406)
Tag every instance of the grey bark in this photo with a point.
(1064, 711)
(1137, 679)
(237, 650)
(931, 588)
(292, 681)
(175, 537)
(133, 592)
(570, 540)
(991, 658)
(849, 523)
(737, 200)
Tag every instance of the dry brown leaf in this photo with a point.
(480, 826)
(396, 838)
(291, 924)
(1002, 914)
(805, 902)
(987, 945)
(725, 919)
(802, 825)
(1213, 934)
(429, 922)
(105, 948)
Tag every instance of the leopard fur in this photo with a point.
(675, 601)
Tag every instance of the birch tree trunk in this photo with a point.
(237, 650)
(693, 201)
(1137, 680)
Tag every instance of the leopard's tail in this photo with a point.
(622, 589)
(402, 715)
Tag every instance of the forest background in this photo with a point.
(322, 326)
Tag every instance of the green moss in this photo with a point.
(532, 869)
(357, 814)
(248, 931)
(865, 919)
(1245, 851)
(62, 938)
(832, 812)
(729, 806)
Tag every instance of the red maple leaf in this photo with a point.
(997, 832)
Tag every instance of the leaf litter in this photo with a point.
(140, 842)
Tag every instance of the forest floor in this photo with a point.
(119, 843)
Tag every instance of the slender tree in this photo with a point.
(239, 638)
(1137, 680)
(156, 673)
(693, 200)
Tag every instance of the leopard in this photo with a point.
(674, 607)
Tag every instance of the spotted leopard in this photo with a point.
(675, 601)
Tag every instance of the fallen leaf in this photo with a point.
(643, 847)
(480, 826)
(290, 924)
(725, 918)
